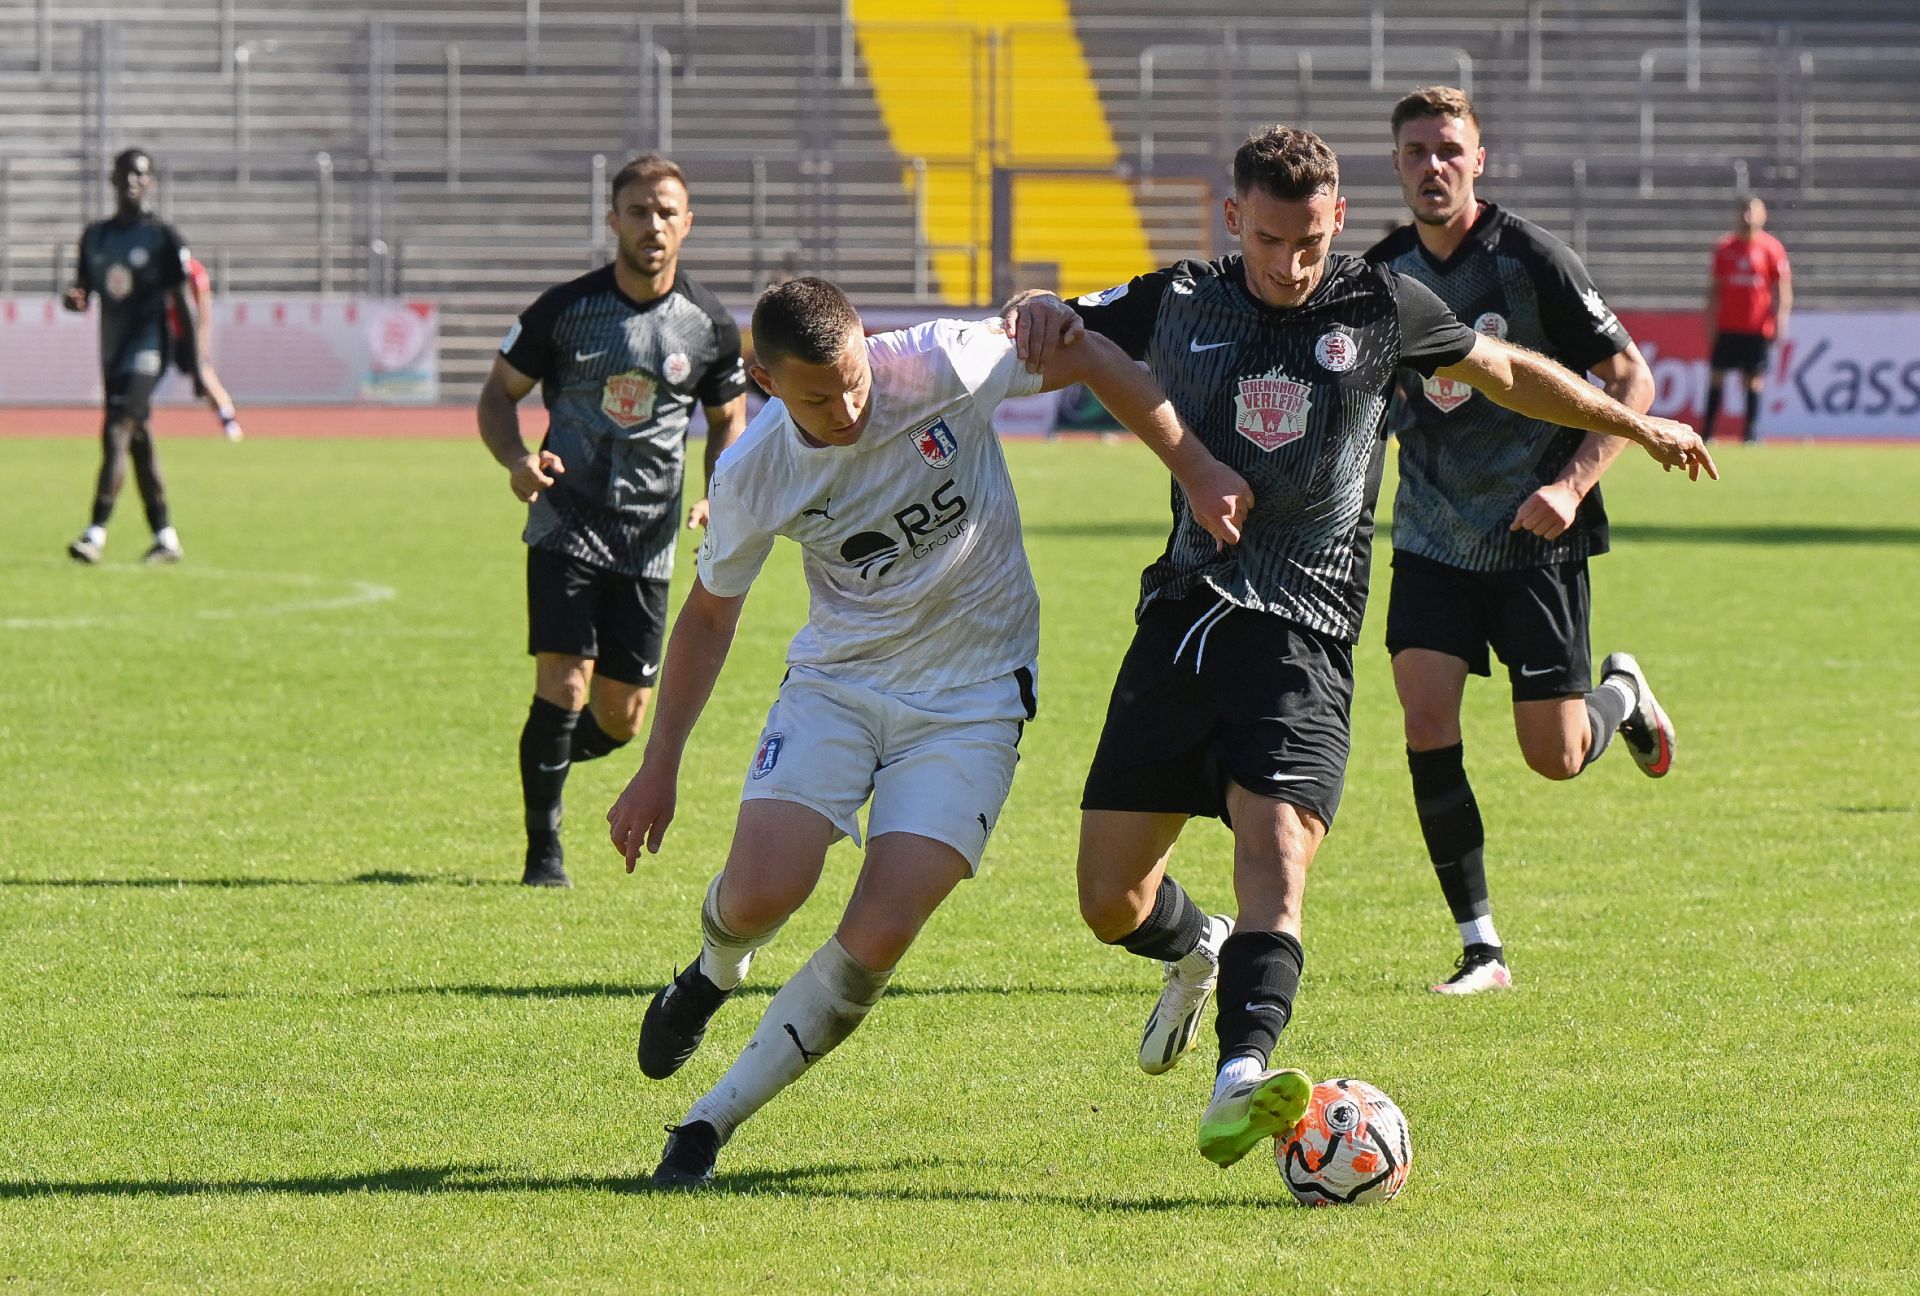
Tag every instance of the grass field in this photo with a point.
(273, 1012)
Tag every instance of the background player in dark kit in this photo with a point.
(621, 355)
(136, 265)
(1497, 514)
(1233, 700)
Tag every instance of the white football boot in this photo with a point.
(1175, 1023)
(1479, 968)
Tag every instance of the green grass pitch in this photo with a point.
(273, 1013)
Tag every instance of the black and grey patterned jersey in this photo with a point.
(1467, 464)
(132, 265)
(1293, 400)
(619, 379)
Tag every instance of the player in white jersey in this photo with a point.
(908, 686)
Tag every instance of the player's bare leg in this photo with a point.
(904, 879)
(1127, 899)
(560, 687)
(220, 400)
(613, 714)
(1274, 843)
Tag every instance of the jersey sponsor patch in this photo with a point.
(1105, 297)
(1272, 410)
(1445, 394)
(513, 335)
(768, 756)
(119, 282)
(873, 553)
(677, 368)
(936, 443)
(627, 398)
(1491, 324)
(1335, 351)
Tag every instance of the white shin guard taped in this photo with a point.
(822, 1005)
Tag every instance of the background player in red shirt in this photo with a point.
(207, 383)
(1748, 298)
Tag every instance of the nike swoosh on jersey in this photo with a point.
(581, 357)
(1196, 345)
(646, 672)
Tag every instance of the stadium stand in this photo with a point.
(449, 149)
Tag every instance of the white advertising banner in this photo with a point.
(1850, 374)
(267, 351)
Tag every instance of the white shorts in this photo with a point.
(937, 763)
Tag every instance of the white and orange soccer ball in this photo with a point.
(1352, 1147)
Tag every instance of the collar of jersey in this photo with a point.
(1236, 267)
(1480, 234)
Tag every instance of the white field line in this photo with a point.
(353, 593)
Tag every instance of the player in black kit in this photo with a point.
(1233, 700)
(1496, 516)
(136, 265)
(621, 355)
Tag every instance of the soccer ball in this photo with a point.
(1351, 1147)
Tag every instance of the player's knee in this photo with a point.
(1555, 761)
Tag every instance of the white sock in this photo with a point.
(94, 535)
(1479, 931)
(1240, 1068)
(724, 955)
(167, 536)
(821, 1006)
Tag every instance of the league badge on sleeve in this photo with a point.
(936, 443)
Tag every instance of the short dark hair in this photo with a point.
(123, 161)
(1286, 162)
(1433, 101)
(645, 169)
(803, 319)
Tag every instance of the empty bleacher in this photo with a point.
(455, 150)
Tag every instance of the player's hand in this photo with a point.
(74, 299)
(1548, 512)
(697, 515)
(1675, 445)
(641, 815)
(1220, 500)
(534, 474)
(1039, 325)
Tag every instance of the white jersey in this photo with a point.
(916, 572)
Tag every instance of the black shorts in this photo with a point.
(1209, 694)
(1535, 619)
(130, 395)
(1746, 352)
(576, 608)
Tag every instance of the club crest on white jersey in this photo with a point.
(936, 443)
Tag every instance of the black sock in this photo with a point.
(1713, 410)
(1259, 976)
(1450, 821)
(1172, 931)
(1606, 708)
(544, 760)
(1753, 415)
(590, 741)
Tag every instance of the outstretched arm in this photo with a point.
(1218, 496)
(1528, 383)
(697, 649)
(1549, 511)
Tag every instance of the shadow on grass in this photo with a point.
(646, 989)
(826, 1181)
(1760, 533)
(378, 877)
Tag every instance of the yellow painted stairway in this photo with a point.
(1003, 83)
